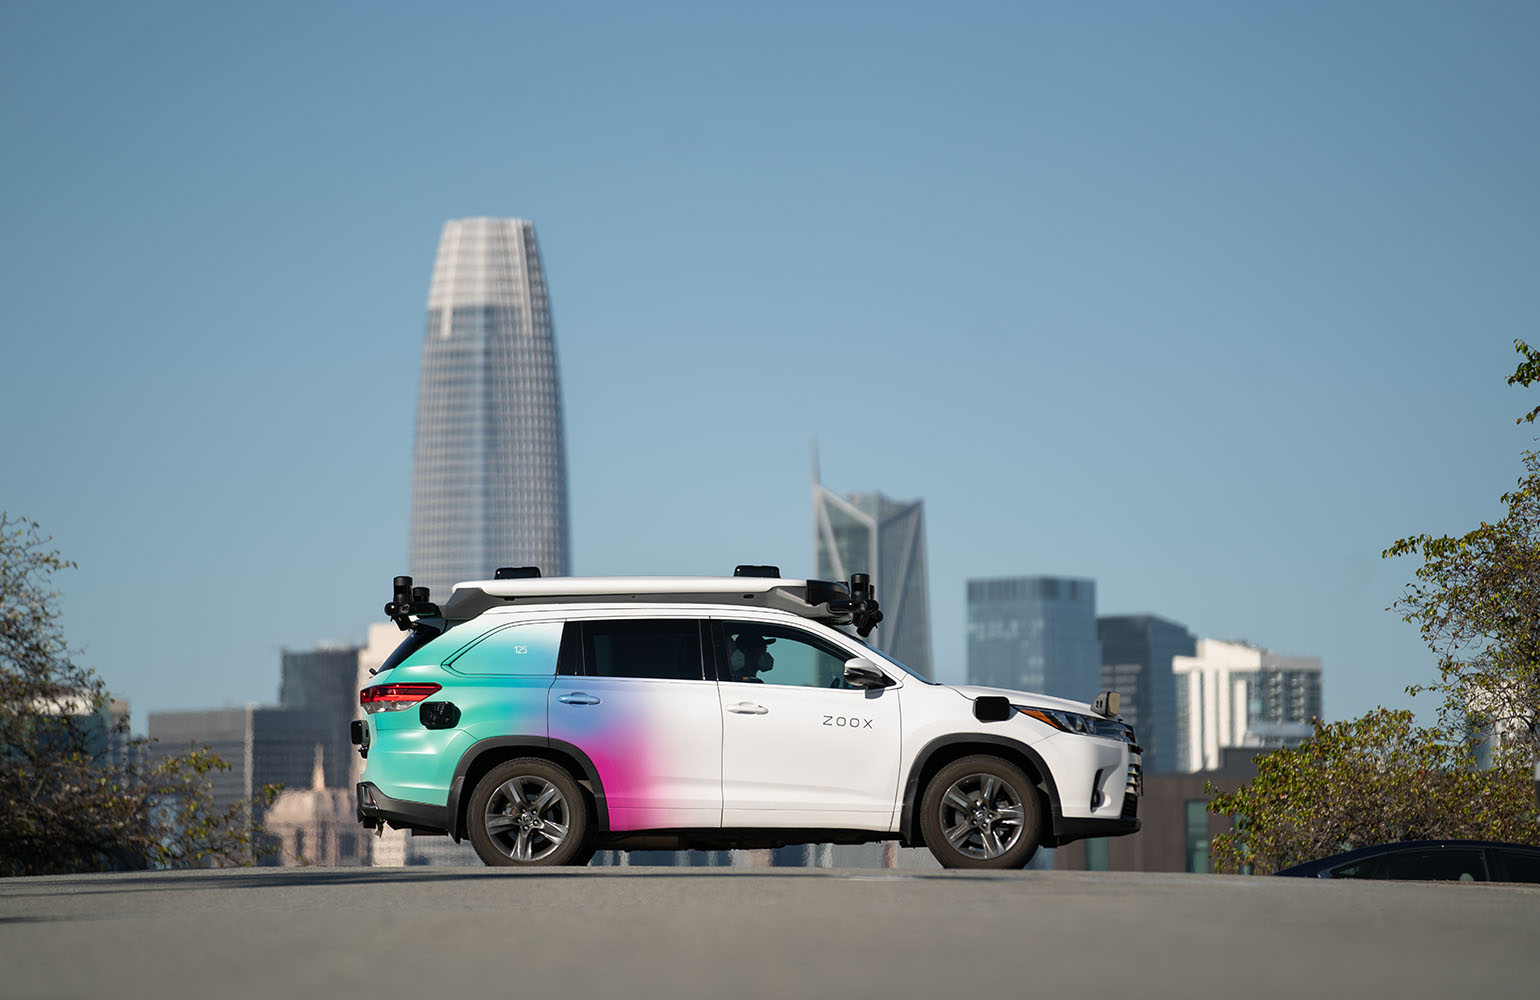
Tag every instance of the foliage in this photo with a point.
(1476, 601)
(1372, 780)
(1525, 375)
(77, 793)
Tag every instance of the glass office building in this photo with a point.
(870, 533)
(1137, 653)
(1035, 633)
(489, 470)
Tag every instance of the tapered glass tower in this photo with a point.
(489, 469)
(884, 538)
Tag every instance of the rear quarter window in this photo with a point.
(526, 650)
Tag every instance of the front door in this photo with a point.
(640, 706)
(799, 746)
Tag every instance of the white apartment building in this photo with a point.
(1235, 694)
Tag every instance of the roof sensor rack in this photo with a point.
(517, 573)
(826, 601)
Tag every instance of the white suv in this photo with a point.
(545, 719)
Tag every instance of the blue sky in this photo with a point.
(1210, 302)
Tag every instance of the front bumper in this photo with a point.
(376, 809)
(1071, 828)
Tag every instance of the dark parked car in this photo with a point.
(1430, 861)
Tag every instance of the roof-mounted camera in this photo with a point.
(409, 602)
(861, 605)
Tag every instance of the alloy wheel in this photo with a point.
(982, 816)
(527, 818)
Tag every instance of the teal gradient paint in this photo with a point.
(655, 743)
(407, 761)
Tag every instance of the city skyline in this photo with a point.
(1122, 294)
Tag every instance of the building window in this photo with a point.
(1197, 835)
(1096, 854)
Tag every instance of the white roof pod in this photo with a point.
(808, 598)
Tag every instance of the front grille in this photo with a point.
(1130, 806)
(1135, 784)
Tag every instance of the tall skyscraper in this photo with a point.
(1137, 651)
(1034, 633)
(1234, 694)
(489, 470)
(869, 533)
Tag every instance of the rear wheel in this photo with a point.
(980, 812)
(528, 812)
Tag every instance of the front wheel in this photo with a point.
(980, 812)
(528, 812)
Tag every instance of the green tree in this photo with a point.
(1372, 780)
(1476, 601)
(77, 793)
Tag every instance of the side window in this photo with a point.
(1366, 868)
(528, 650)
(1450, 864)
(1520, 866)
(760, 653)
(665, 649)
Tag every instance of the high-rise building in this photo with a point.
(869, 533)
(489, 470)
(1034, 633)
(1234, 694)
(1137, 651)
(263, 746)
(325, 679)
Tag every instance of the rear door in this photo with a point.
(637, 701)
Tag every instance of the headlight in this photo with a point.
(1082, 725)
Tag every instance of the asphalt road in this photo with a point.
(738, 934)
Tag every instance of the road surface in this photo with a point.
(737, 934)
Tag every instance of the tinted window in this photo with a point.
(1363, 868)
(667, 650)
(759, 653)
(1455, 864)
(523, 650)
(1516, 865)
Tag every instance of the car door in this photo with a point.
(800, 747)
(638, 703)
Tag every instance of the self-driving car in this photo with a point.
(545, 719)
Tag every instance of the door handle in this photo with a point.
(748, 708)
(578, 698)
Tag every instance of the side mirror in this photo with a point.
(863, 673)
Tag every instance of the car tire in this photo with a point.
(528, 812)
(980, 812)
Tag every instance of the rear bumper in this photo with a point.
(376, 809)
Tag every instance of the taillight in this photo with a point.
(393, 697)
